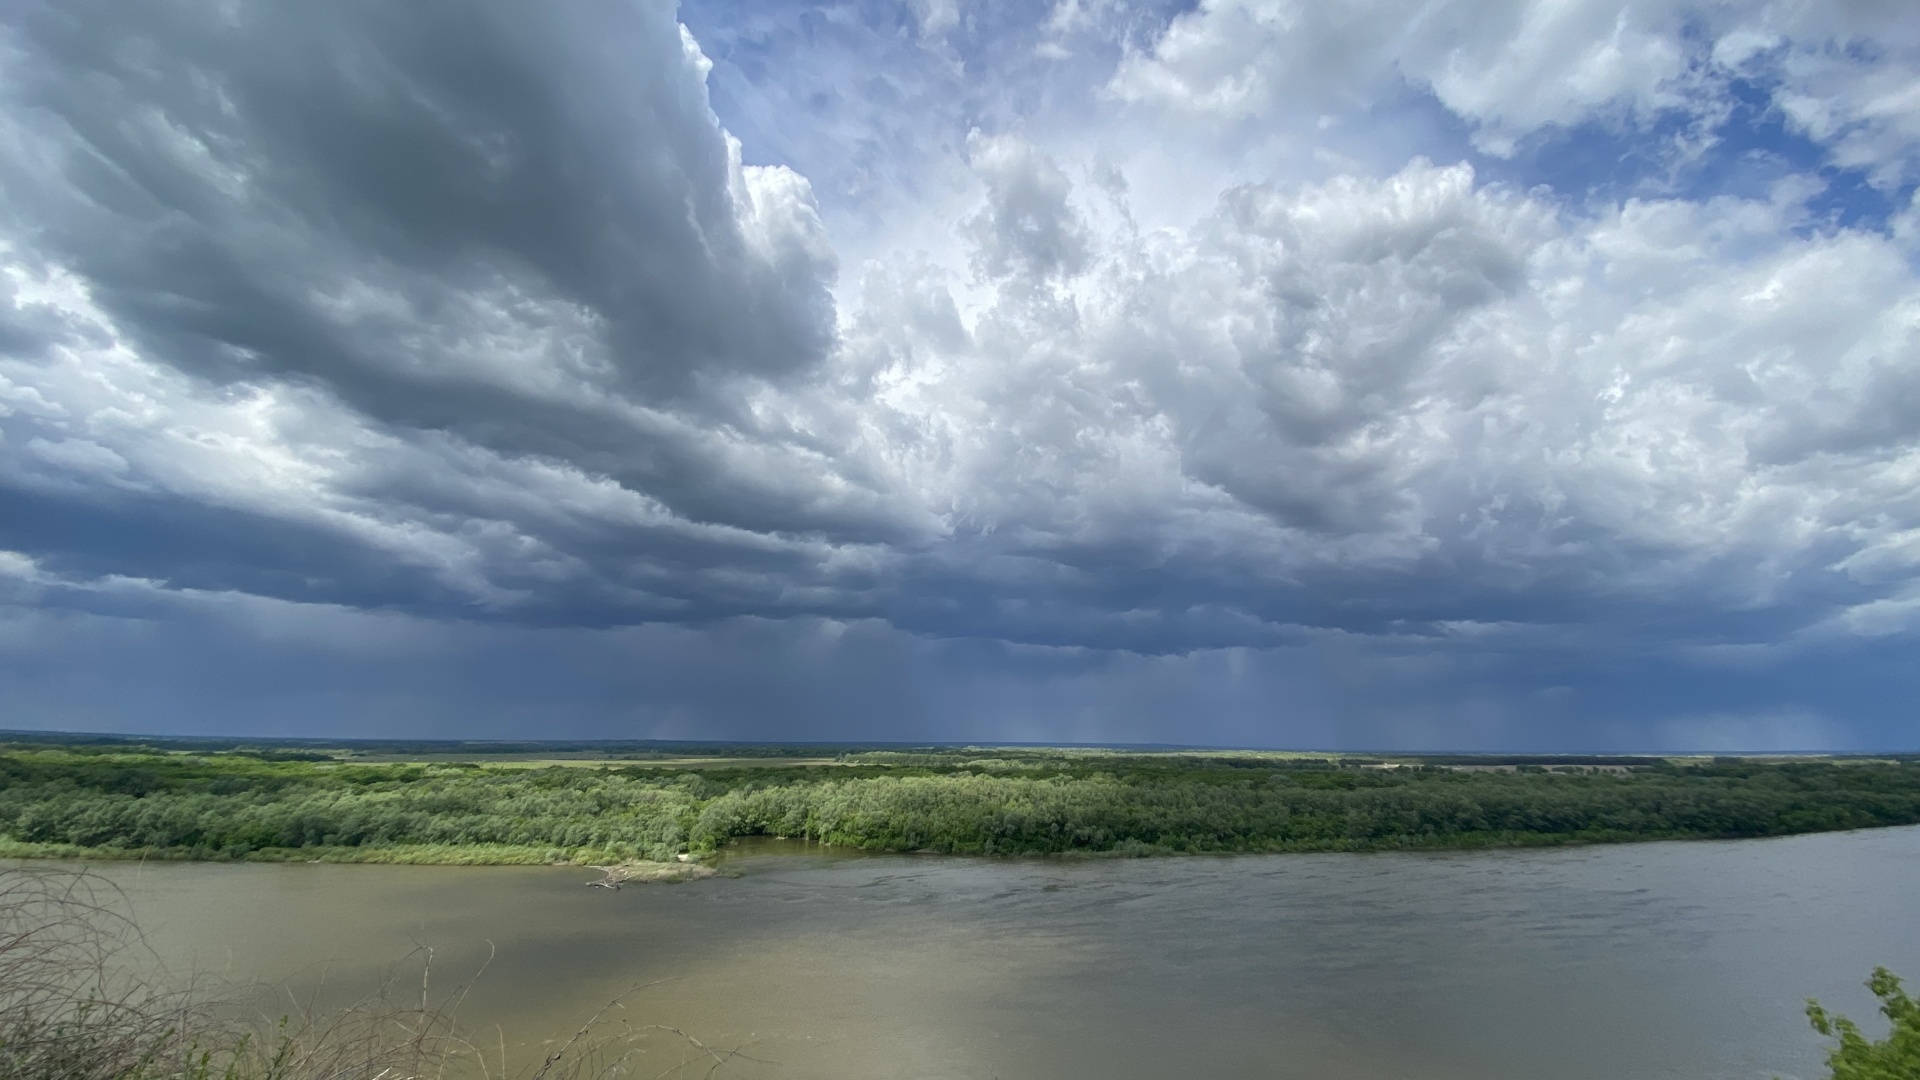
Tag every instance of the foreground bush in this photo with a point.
(1896, 1057)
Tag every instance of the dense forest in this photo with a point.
(235, 802)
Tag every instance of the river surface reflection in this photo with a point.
(1648, 960)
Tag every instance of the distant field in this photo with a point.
(573, 802)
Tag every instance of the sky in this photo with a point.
(1529, 375)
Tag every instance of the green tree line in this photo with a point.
(237, 805)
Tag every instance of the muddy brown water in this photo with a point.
(1634, 961)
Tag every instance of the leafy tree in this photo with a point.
(1896, 1057)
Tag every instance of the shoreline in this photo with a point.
(621, 870)
(627, 870)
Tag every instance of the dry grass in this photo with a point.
(78, 1002)
(70, 1009)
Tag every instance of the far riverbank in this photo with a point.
(156, 803)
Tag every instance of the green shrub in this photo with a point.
(1896, 1057)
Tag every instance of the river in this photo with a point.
(1621, 962)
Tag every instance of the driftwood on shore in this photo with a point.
(618, 874)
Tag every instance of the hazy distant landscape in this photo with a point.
(614, 802)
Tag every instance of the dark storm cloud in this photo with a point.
(232, 169)
(484, 236)
(401, 320)
(245, 666)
